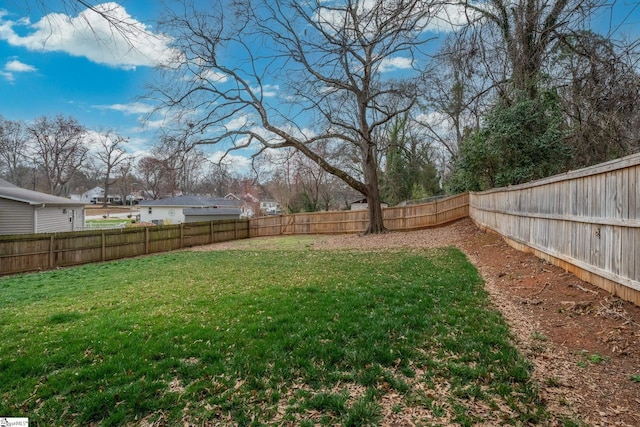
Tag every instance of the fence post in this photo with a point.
(181, 235)
(146, 240)
(211, 231)
(235, 229)
(104, 247)
(52, 252)
(404, 218)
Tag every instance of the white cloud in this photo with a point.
(267, 91)
(235, 162)
(450, 17)
(139, 147)
(212, 76)
(237, 123)
(18, 67)
(131, 108)
(15, 66)
(397, 63)
(438, 18)
(438, 122)
(120, 41)
(8, 76)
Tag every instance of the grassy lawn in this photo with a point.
(257, 337)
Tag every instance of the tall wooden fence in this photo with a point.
(20, 253)
(586, 221)
(400, 218)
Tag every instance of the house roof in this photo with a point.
(365, 201)
(211, 211)
(191, 202)
(17, 194)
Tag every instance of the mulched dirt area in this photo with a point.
(583, 342)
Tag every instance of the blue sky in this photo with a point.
(62, 69)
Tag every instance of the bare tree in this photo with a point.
(517, 37)
(158, 176)
(59, 150)
(13, 144)
(600, 91)
(126, 183)
(110, 155)
(453, 100)
(289, 74)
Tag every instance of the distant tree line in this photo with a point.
(57, 155)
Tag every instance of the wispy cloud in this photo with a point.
(15, 66)
(235, 162)
(397, 63)
(119, 41)
(131, 108)
(267, 90)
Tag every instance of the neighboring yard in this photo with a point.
(255, 337)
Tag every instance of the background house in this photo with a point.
(172, 209)
(362, 204)
(250, 204)
(25, 211)
(270, 207)
(96, 196)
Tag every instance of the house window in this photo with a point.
(150, 210)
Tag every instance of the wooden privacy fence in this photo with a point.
(20, 253)
(401, 218)
(586, 221)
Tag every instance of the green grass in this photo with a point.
(257, 337)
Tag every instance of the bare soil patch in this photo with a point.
(584, 343)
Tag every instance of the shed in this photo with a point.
(25, 211)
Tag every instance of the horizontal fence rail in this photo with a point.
(22, 253)
(401, 218)
(586, 221)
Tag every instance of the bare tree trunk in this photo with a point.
(376, 225)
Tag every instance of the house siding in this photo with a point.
(15, 217)
(58, 219)
(167, 214)
(200, 218)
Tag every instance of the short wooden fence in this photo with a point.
(21, 253)
(401, 218)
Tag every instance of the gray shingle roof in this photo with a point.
(11, 192)
(192, 202)
(211, 211)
